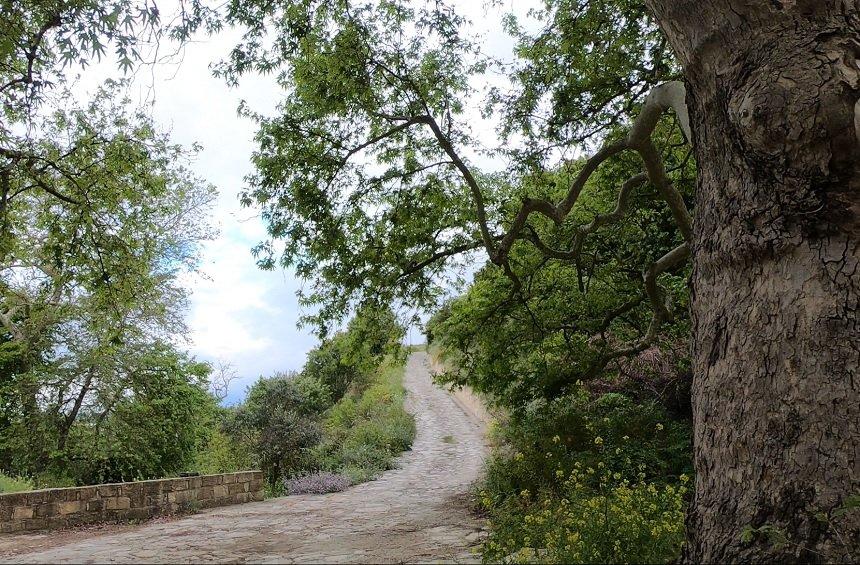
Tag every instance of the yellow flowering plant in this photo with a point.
(593, 480)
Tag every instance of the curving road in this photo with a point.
(415, 513)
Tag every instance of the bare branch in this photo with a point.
(50, 190)
(549, 251)
(219, 384)
(620, 311)
(669, 95)
(657, 176)
(622, 205)
(6, 319)
(529, 205)
(663, 97)
(621, 208)
(566, 205)
(668, 261)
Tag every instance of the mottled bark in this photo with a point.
(772, 92)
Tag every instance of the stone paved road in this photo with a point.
(412, 514)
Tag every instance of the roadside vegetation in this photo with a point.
(586, 476)
(94, 383)
(338, 422)
(14, 484)
(590, 463)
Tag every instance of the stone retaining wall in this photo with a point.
(63, 507)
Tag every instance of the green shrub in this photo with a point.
(587, 479)
(330, 366)
(14, 484)
(156, 431)
(222, 455)
(53, 479)
(616, 522)
(575, 429)
(365, 432)
(281, 424)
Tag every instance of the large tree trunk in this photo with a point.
(773, 90)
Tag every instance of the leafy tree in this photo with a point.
(89, 282)
(364, 176)
(350, 357)
(39, 39)
(372, 334)
(155, 428)
(282, 423)
(328, 365)
(98, 217)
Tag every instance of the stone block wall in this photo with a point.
(118, 502)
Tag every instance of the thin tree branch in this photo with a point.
(414, 267)
(384, 135)
(30, 55)
(477, 196)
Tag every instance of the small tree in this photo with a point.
(283, 424)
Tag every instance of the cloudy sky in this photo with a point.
(238, 313)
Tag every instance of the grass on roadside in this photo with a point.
(367, 429)
(14, 484)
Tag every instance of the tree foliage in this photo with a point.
(90, 300)
(99, 217)
(366, 174)
(540, 342)
(41, 39)
(353, 77)
(581, 73)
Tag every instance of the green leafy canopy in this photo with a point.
(361, 173)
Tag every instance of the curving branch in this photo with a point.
(662, 98)
(671, 259)
(415, 267)
(668, 96)
(384, 135)
(474, 187)
(662, 311)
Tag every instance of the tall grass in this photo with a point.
(14, 484)
(367, 429)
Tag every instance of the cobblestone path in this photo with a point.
(415, 513)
